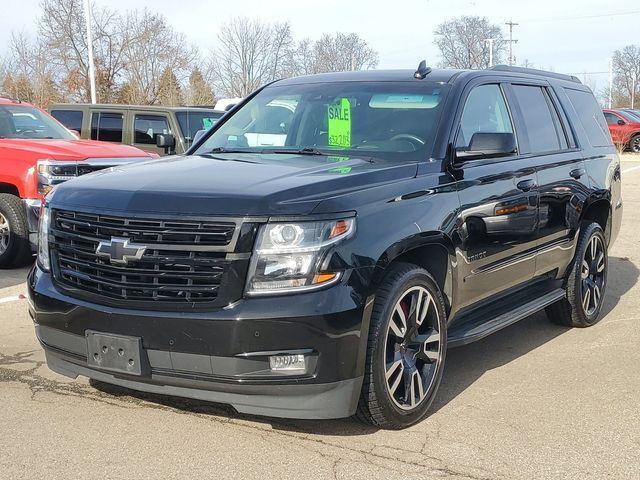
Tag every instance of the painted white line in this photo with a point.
(627, 170)
(14, 298)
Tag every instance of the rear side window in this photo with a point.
(590, 116)
(538, 118)
(72, 119)
(106, 126)
(148, 127)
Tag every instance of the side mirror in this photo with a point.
(198, 135)
(488, 145)
(621, 122)
(166, 141)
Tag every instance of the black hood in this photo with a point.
(235, 184)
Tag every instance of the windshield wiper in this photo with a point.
(301, 151)
(228, 150)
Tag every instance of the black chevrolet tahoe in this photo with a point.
(319, 249)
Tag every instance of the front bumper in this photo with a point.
(222, 356)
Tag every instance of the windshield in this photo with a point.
(396, 120)
(22, 121)
(631, 115)
(191, 121)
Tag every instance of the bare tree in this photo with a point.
(250, 53)
(342, 52)
(463, 42)
(152, 46)
(626, 68)
(62, 31)
(32, 76)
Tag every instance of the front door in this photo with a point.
(498, 218)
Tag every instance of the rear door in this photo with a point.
(497, 221)
(547, 140)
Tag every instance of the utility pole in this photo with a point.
(92, 68)
(490, 42)
(610, 81)
(511, 40)
(633, 92)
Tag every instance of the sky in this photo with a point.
(567, 36)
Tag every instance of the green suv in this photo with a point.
(156, 129)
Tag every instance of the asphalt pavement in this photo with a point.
(534, 401)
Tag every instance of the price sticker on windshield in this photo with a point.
(207, 123)
(339, 116)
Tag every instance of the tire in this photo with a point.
(393, 397)
(15, 249)
(634, 143)
(585, 282)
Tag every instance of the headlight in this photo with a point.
(289, 256)
(52, 172)
(43, 239)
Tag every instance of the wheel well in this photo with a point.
(599, 212)
(8, 188)
(433, 257)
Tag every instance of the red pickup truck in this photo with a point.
(36, 153)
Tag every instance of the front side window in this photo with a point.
(148, 127)
(611, 118)
(107, 126)
(22, 121)
(485, 111)
(191, 121)
(397, 120)
(72, 119)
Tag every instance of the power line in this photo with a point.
(582, 17)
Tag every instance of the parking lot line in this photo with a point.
(627, 170)
(13, 298)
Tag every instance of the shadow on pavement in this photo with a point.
(13, 277)
(464, 365)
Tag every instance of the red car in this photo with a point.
(36, 153)
(625, 128)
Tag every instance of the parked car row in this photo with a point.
(36, 154)
(139, 126)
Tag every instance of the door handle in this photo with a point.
(577, 173)
(526, 185)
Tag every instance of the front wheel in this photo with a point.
(586, 281)
(634, 144)
(406, 350)
(15, 250)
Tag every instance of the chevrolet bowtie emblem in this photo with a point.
(119, 251)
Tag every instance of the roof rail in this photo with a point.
(534, 71)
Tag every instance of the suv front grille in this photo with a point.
(185, 261)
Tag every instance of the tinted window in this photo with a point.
(106, 126)
(537, 118)
(148, 127)
(72, 119)
(192, 121)
(397, 120)
(591, 117)
(485, 111)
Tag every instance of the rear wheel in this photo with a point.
(15, 249)
(406, 350)
(586, 281)
(634, 144)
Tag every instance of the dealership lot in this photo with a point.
(533, 401)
